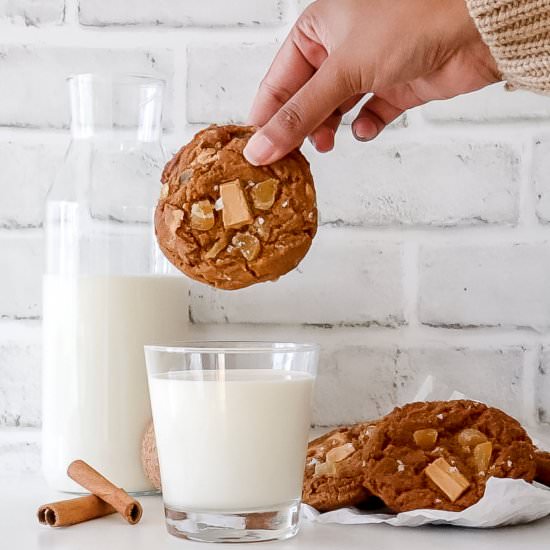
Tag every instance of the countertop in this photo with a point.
(20, 530)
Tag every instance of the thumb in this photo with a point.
(320, 96)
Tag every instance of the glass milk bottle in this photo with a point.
(107, 291)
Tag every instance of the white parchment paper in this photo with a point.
(505, 502)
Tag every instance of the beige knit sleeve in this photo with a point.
(518, 35)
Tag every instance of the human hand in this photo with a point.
(404, 52)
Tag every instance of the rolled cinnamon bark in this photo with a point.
(73, 511)
(129, 508)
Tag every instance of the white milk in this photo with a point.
(95, 396)
(237, 444)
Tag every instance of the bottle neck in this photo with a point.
(81, 132)
(127, 107)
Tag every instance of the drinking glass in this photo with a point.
(231, 422)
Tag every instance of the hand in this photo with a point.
(404, 52)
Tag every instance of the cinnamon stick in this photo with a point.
(73, 511)
(129, 508)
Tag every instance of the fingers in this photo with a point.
(301, 114)
(293, 66)
(373, 117)
(322, 138)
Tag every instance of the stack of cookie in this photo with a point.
(435, 455)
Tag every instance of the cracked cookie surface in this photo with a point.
(227, 223)
(440, 454)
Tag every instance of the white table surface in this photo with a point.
(20, 497)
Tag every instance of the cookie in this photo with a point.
(149, 456)
(440, 454)
(542, 459)
(227, 223)
(334, 469)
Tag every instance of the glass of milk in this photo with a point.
(231, 422)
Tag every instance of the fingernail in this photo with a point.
(365, 130)
(324, 141)
(258, 150)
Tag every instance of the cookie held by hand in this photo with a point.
(440, 454)
(227, 223)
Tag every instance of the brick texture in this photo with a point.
(220, 88)
(21, 281)
(387, 184)
(496, 285)
(493, 376)
(20, 375)
(28, 171)
(32, 13)
(371, 293)
(542, 398)
(182, 13)
(19, 452)
(38, 97)
(355, 383)
(541, 177)
(489, 105)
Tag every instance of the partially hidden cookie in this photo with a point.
(149, 456)
(440, 454)
(227, 223)
(334, 468)
(542, 459)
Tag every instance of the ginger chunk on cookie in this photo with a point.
(202, 216)
(426, 438)
(248, 245)
(470, 437)
(263, 194)
(447, 478)
(340, 453)
(482, 456)
(236, 211)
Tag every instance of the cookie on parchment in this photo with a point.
(334, 468)
(440, 454)
(227, 223)
(542, 459)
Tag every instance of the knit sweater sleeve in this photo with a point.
(518, 34)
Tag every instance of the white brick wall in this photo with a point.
(370, 295)
(32, 13)
(37, 96)
(220, 88)
(20, 374)
(543, 387)
(434, 253)
(491, 375)
(28, 171)
(489, 105)
(485, 285)
(21, 276)
(182, 13)
(19, 451)
(376, 378)
(541, 177)
(368, 391)
(464, 182)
